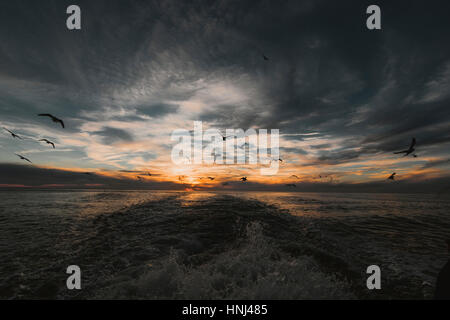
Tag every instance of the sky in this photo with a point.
(343, 97)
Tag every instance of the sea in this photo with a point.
(220, 245)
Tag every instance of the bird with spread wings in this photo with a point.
(54, 119)
(13, 134)
(409, 150)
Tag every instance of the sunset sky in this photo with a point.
(343, 97)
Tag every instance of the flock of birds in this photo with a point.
(329, 178)
(61, 122)
(16, 136)
(406, 152)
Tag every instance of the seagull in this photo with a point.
(13, 134)
(291, 185)
(88, 173)
(139, 178)
(294, 176)
(149, 174)
(391, 177)
(245, 145)
(211, 178)
(48, 142)
(23, 158)
(224, 137)
(54, 119)
(243, 179)
(410, 150)
(275, 160)
(265, 58)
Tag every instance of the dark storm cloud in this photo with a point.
(158, 110)
(338, 157)
(439, 186)
(112, 135)
(436, 163)
(33, 177)
(30, 176)
(292, 150)
(333, 76)
(374, 90)
(321, 146)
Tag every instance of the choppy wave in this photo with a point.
(254, 270)
(175, 245)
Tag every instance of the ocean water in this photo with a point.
(220, 245)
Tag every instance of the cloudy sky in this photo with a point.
(343, 97)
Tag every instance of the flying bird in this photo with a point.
(265, 58)
(211, 178)
(279, 159)
(54, 119)
(243, 179)
(224, 137)
(410, 150)
(291, 185)
(392, 176)
(23, 158)
(245, 145)
(13, 134)
(48, 142)
(294, 176)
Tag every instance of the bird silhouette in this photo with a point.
(54, 119)
(211, 178)
(294, 176)
(245, 145)
(243, 179)
(48, 142)
(409, 150)
(13, 134)
(23, 158)
(224, 137)
(275, 160)
(291, 185)
(265, 57)
(149, 174)
(392, 176)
